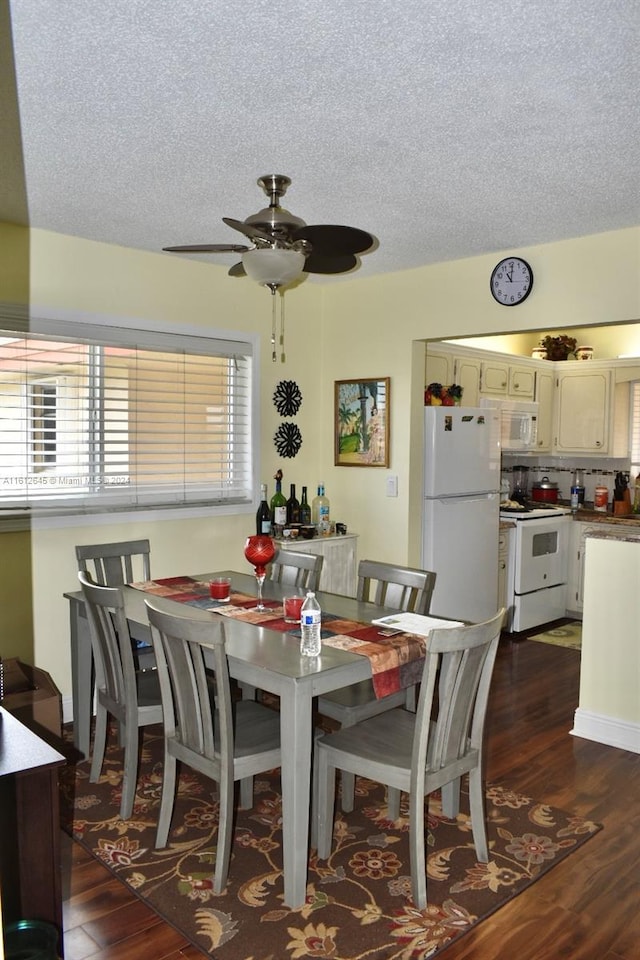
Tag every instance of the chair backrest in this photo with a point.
(110, 642)
(298, 569)
(113, 564)
(461, 659)
(186, 684)
(400, 588)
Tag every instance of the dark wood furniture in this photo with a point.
(30, 834)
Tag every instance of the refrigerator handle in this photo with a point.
(451, 501)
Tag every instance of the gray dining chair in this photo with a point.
(418, 754)
(297, 569)
(388, 585)
(114, 564)
(129, 695)
(202, 727)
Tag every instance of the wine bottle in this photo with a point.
(278, 507)
(320, 510)
(293, 506)
(305, 508)
(263, 516)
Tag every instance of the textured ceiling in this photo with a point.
(446, 128)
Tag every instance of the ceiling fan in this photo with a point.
(284, 247)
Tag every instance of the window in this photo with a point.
(96, 418)
(635, 429)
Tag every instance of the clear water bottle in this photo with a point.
(310, 623)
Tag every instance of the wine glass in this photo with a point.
(260, 550)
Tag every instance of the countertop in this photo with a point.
(595, 516)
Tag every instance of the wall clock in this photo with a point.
(511, 281)
(287, 439)
(287, 398)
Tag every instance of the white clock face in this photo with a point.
(511, 281)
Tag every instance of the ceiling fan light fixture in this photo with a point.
(273, 266)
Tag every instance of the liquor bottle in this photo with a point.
(278, 507)
(320, 510)
(263, 516)
(310, 626)
(293, 507)
(305, 509)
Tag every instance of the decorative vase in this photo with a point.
(259, 551)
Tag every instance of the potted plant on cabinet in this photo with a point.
(558, 348)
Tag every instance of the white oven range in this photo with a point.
(538, 560)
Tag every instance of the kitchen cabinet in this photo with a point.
(522, 382)
(495, 378)
(504, 542)
(544, 397)
(583, 406)
(339, 572)
(578, 533)
(438, 367)
(467, 374)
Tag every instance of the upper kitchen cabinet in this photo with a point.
(495, 378)
(522, 382)
(545, 384)
(438, 367)
(449, 366)
(583, 409)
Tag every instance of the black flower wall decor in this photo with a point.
(287, 398)
(288, 440)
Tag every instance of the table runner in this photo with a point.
(396, 662)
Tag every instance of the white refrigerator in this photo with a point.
(460, 510)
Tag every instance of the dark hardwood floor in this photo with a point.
(586, 908)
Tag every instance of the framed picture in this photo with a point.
(362, 423)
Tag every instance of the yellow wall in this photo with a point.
(341, 329)
(16, 619)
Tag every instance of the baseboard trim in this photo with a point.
(608, 730)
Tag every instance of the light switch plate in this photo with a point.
(392, 486)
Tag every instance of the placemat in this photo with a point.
(396, 662)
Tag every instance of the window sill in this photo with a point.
(28, 521)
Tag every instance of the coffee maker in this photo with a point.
(520, 492)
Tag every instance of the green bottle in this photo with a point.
(278, 507)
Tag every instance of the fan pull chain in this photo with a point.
(282, 355)
(273, 324)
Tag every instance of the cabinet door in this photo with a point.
(466, 372)
(339, 571)
(522, 383)
(544, 396)
(503, 563)
(438, 368)
(495, 378)
(583, 407)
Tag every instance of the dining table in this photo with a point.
(259, 658)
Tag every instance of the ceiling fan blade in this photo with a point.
(315, 263)
(209, 248)
(237, 270)
(329, 240)
(249, 231)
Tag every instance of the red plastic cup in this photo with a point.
(292, 607)
(220, 588)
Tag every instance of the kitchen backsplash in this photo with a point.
(595, 472)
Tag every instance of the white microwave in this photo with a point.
(518, 423)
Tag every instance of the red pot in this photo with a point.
(544, 491)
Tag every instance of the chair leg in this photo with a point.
(167, 800)
(246, 793)
(130, 776)
(416, 850)
(348, 784)
(478, 819)
(225, 831)
(451, 799)
(393, 803)
(99, 743)
(326, 790)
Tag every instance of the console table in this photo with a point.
(30, 835)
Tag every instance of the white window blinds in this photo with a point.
(95, 418)
(635, 429)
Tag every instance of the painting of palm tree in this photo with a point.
(362, 423)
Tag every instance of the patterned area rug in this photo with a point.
(358, 902)
(568, 635)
